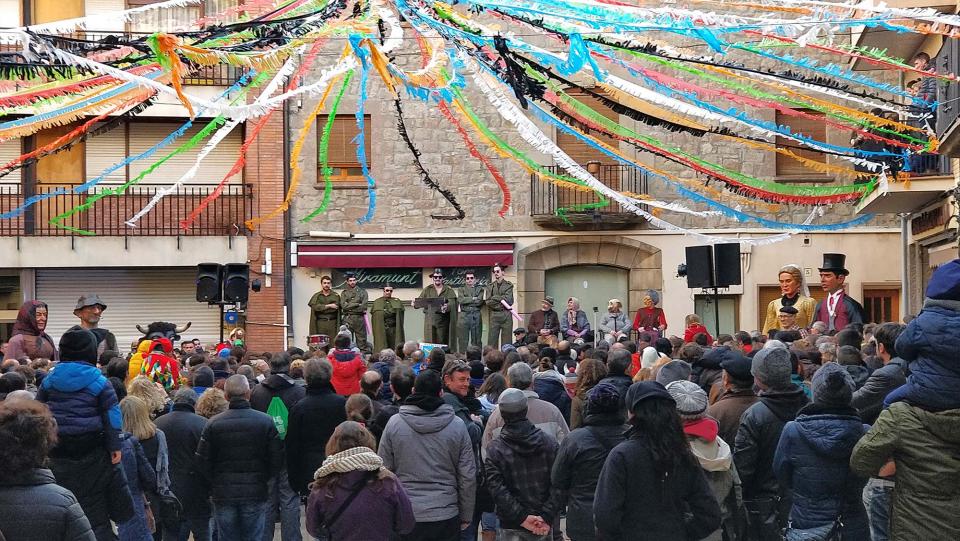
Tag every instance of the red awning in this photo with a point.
(371, 256)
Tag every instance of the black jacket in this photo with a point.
(757, 440)
(33, 506)
(517, 470)
(311, 423)
(577, 470)
(553, 390)
(634, 503)
(622, 382)
(183, 429)
(239, 452)
(868, 400)
(280, 385)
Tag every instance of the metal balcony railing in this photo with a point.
(224, 216)
(547, 198)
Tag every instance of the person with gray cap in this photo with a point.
(779, 401)
(651, 485)
(582, 454)
(517, 472)
(812, 461)
(89, 309)
(541, 413)
(711, 451)
(674, 371)
(735, 396)
(183, 428)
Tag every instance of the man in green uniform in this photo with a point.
(387, 320)
(354, 306)
(500, 317)
(471, 301)
(325, 310)
(439, 304)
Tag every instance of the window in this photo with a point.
(342, 150)
(789, 169)
(175, 19)
(881, 305)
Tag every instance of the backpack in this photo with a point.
(277, 411)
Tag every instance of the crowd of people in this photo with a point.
(819, 430)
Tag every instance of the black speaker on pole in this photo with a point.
(726, 260)
(208, 282)
(699, 267)
(236, 282)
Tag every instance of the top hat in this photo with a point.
(834, 263)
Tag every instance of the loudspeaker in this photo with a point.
(726, 259)
(236, 282)
(699, 267)
(208, 282)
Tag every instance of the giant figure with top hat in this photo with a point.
(838, 309)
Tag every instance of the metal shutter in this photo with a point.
(9, 151)
(10, 13)
(144, 135)
(104, 151)
(133, 295)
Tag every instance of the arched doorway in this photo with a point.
(594, 285)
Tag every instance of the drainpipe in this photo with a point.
(287, 228)
(905, 265)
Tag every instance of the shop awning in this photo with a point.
(345, 256)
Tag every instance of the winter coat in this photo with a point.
(859, 373)
(53, 511)
(614, 322)
(930, 344)
(633, 502)
(384, 368)
(550, 386)
(430, 453)
(311, 422)
(577, 470)
(83, 403)
(758, 437)
(621, 381)
(280, 385)
(517, 471)
(348, 368)
(813, 462)
(690, 332)
(239, 452)
(380, 509)
(926, 448)
(707, 370)
(141, 479)
(31, 347)
(541, 413)
(728, 409)
(581, 323)
(716, 460)
(183, 428)
(868, 399)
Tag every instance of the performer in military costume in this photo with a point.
(501, 325)
(470, 298)
(387, 320)
(354, 307)
(439, 304)
(325, 310)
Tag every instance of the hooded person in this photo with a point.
(649, 358)
(713, 454)
(29, 338)
(161, 366)
(812, 461)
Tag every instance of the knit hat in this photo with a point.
(185, 395)
(78, 344)
(512, 401)
(690, 398)
(832, 386)
(603, 398)
(772, 367)
(675, 370)
(644, 390)
(945, 282)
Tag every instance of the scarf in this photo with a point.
(356, 458)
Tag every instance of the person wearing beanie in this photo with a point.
(581, 457)
(87, 412)
(517, 468)
(812, 462)
(757, 438)
(711, 451)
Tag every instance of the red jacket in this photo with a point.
(348, 368)
(694, 330)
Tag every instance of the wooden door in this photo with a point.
(583, 154)
(881, 305)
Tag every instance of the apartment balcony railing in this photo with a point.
(553, 205)
(224, 216)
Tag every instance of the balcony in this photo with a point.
(223, 217)
(896, 45)
(552, 206)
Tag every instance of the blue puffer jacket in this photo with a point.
(813, 462)
(82, 401)
(930, 344)
(549, 386)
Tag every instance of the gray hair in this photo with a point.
(19, 394)
(819, 325)
(388, 356)
(576, 302)
(317, 371)
(236, 386)
(520, 376)
(827, 347)
(185, 395)
(409, 347)
(771, 344)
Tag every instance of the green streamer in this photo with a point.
(324, 150)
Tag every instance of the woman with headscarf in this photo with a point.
(614, 324)
(574, 325)
(29, 339)
(796, 294)
(649, 318)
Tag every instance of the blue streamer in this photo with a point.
(363, 55)
(130, 159)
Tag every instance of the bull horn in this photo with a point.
(139, 328)
(184, 328)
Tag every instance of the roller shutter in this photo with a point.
(132, 295)
(9, 151)
(144, 135)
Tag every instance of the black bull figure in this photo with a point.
(163, 329)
